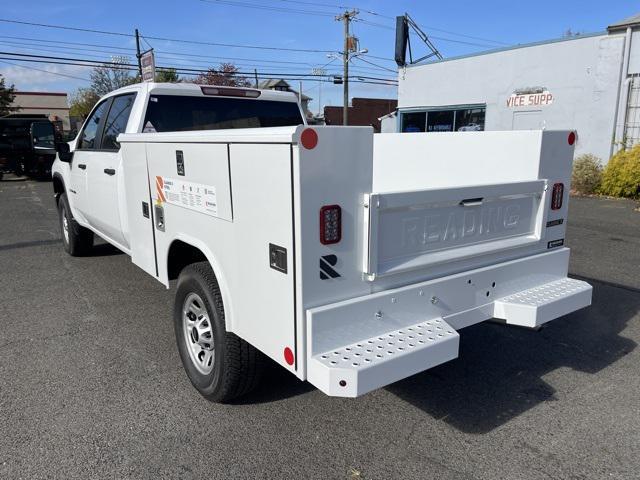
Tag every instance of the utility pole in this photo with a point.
(255, 72)
(138, 54)
(346, 17)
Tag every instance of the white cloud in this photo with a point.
(44, 77)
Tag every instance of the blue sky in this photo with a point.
(456, 28)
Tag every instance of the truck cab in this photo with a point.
(93, 177)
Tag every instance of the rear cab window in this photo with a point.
(179, 113)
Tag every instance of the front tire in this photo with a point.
(76, 239)
(219, 364)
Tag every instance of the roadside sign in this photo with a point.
(318, 71)
(148, 66)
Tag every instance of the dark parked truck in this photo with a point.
(18, 152)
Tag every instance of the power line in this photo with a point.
(167, 39)
(161, 56)
(234, 3)
(47, 42)
(77, 29)
(442, 39)
(188, 71)
(375, 64)
(45, 71)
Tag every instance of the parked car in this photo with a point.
(471, 127)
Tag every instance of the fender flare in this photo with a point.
(215, 266)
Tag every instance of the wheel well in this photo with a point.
(58, 186)
(180, 255)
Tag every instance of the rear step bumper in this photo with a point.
(361, 344)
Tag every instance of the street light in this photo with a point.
(347, 56)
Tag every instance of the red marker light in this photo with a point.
(309, 138)
(288, 356)
(571, 138)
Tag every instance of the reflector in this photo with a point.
(556, 196)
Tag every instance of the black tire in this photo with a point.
(19, 171)
(237, 366)
(79, 240)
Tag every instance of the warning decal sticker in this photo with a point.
(194, 196)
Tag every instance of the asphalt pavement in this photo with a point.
(91, 385)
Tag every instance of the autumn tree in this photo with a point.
(7, 94)
(225, 75)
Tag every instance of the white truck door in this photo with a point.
(83, 155)
(103, 172)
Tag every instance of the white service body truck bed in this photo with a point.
(437, 232)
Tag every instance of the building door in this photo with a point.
(527, 120)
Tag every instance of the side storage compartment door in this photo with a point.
(139, 207)
(263, 279)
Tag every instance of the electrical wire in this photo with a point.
(234, 3)
(45, 71)
(165, 39)
(375, 64)
(187, 71)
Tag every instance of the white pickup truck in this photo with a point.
(351, 259)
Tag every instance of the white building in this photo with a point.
(590, 83)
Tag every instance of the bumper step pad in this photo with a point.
(355, 369)
(538, 305)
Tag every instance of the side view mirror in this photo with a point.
(64, 152)
(43, 138)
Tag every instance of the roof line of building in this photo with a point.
(512, 47)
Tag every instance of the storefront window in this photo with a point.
(414, 121)
(470, 120)
(444, 120)
(440, 121)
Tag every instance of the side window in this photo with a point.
(90, 132)
(117, 121)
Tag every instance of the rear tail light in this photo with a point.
(330, 224)
(556, 196)
(230, 92)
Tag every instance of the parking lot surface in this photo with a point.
(91, 385)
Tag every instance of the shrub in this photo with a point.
(621, 176)
(587, 174)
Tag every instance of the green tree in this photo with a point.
(7, 94)
(225, 75)
(82, 101)
(167, 75)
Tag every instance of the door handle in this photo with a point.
(471, 202)
(110, 171)
(82, 166)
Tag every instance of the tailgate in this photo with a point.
(409, 230)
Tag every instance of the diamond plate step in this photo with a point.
(538, 305)
(360, 367)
